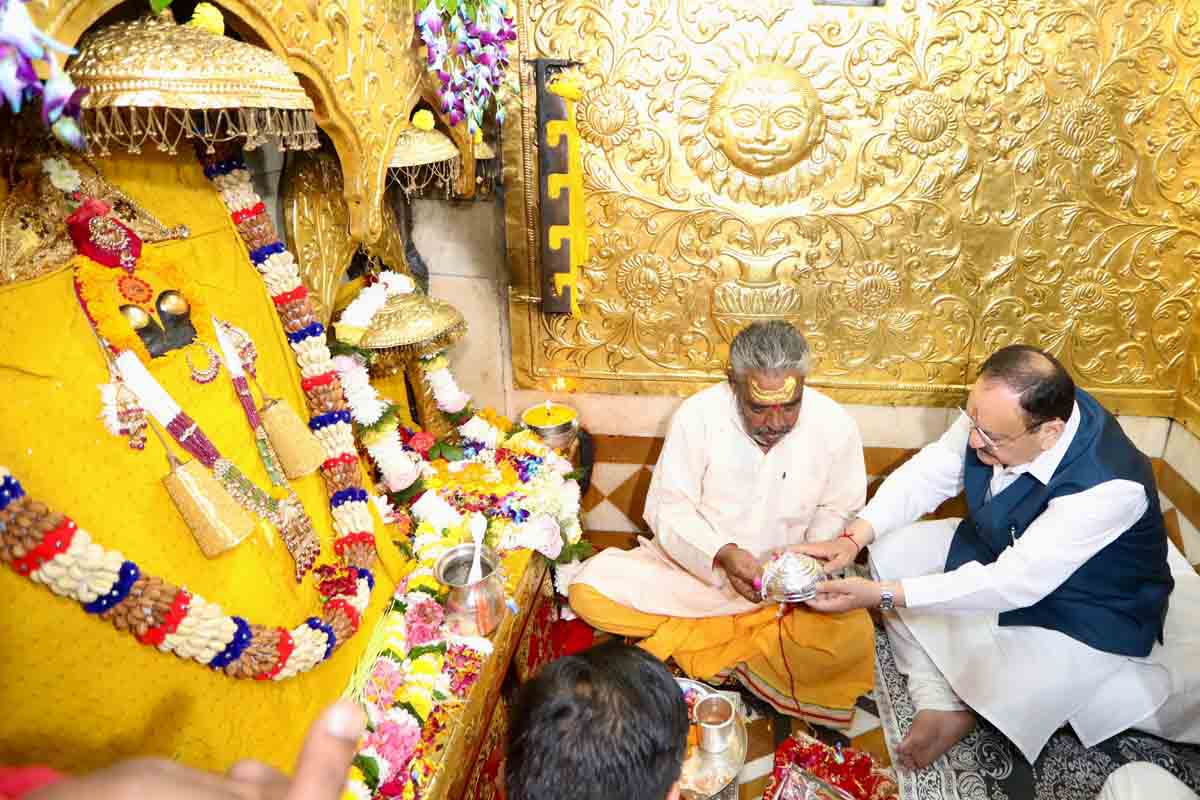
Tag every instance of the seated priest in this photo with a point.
(1048, 604)
(750, 467)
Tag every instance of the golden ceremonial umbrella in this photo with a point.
(423, 157)
(151, 80)
(408, 327)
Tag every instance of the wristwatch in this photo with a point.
(887, 600)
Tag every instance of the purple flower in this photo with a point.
(443, 77)
(430, 19)
(456, 117)
(487, 38)
(507, 32)
(60, 97)
(17, 29)
(485, 58)
(17, 77)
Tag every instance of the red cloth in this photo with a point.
(19, 781)
(853, 771)
(569, 637)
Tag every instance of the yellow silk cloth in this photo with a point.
(77, 693)
(807, 664)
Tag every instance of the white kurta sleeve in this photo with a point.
(673, 501)
(921, 484)
(1071, 530)
(845, 488)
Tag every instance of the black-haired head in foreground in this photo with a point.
(607, 724)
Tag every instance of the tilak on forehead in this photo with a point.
(773, 397)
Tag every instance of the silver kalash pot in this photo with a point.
(472, 609)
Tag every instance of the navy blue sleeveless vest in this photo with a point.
(1116, 601)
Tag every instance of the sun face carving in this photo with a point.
(762, 124)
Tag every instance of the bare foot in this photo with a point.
(933, 733)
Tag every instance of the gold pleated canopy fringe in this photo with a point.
(424, 157)
(414, 323)
(152, 81)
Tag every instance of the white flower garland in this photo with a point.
(399, 466)
(446, 392)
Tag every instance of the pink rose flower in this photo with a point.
(421, 442)
(423, 623)
(395, 739)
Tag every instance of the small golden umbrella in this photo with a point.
(151, 80)
(407, 328)
(424, 157)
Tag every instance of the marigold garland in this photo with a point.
(51, 549)
(99, 290)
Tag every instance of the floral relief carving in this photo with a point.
(913, 185)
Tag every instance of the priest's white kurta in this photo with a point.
(713, 485)
(1027, 681)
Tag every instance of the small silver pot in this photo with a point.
(472, 609)
(559, 436)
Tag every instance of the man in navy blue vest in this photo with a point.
(1049, 603)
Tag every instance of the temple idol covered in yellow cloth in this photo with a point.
(79, 693)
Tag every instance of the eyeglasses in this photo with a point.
(992, 442)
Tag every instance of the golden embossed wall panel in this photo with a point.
(355, 57)
(913, 185)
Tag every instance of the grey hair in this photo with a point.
(774, 345)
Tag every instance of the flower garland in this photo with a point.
(50, 549)
(330, 419)
(422, 670)
(449, 397)
(471, 67)
(101, 290)
(376, 418)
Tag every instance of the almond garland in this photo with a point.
(49, 548)
(330, 419)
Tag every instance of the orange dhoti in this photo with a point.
(807, 665)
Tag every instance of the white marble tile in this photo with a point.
(1191, 540)
(607, 517)
(608, 477)
(1149, 434)
(753, 770)
(1183, 453)
(900, 426)
(464, 239)
(476, 360)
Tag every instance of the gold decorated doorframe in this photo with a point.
(913, 185)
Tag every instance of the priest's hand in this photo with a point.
(742, 569)
(846, 594)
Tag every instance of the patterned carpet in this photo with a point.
(985, 766)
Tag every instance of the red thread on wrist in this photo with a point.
(847, 535)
